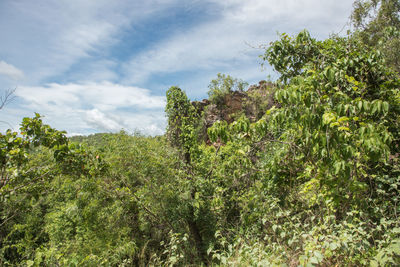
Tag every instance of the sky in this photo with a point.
(104, 65)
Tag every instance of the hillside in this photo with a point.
(301, 171)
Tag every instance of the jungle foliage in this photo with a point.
(314, 182)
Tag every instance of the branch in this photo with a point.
(9, 218)
(24, 185)
(212, 165)
(147, 210)
(282, 142)
(7, 97)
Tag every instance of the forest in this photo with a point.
(301, 171)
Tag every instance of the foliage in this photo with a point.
(181, 121)
(313, 180)
(223, 85)
(327, 147)
(377, 24)
(259, 99)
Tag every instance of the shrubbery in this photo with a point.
(314, 182)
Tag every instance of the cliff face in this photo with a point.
(252, 103)
(232, 105)
(260, 99)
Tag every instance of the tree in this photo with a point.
(373, 16)
(323, 161)
(223, 85)
(182, 123)
(30, 161)
(377, 24)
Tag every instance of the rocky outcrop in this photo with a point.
(260, 99)
(253, 103)
(200, 105)
(261, 87)
(233, 105)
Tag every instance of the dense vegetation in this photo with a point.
(313, 181)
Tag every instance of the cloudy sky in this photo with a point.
(104, 65)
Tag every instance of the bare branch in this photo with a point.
(7, 97)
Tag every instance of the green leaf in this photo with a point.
(314, 260)
(319, 256)
(343, 128)
(360, 105)
(396, 230)
(385, 106)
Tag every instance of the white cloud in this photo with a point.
(10, 71)
(104, 96)
(74, 134)
(47, 39)
(222, 45)
(103, 122)
(101, 106)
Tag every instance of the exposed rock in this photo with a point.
(253, 103)
(200, 105)
(212, 114)
(262, 87)
(233, 105)
(260, 99)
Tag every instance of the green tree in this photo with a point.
(377, 24)
(223, 85)
(321, 163)
(182, 122)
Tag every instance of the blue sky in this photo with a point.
(101, 66)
